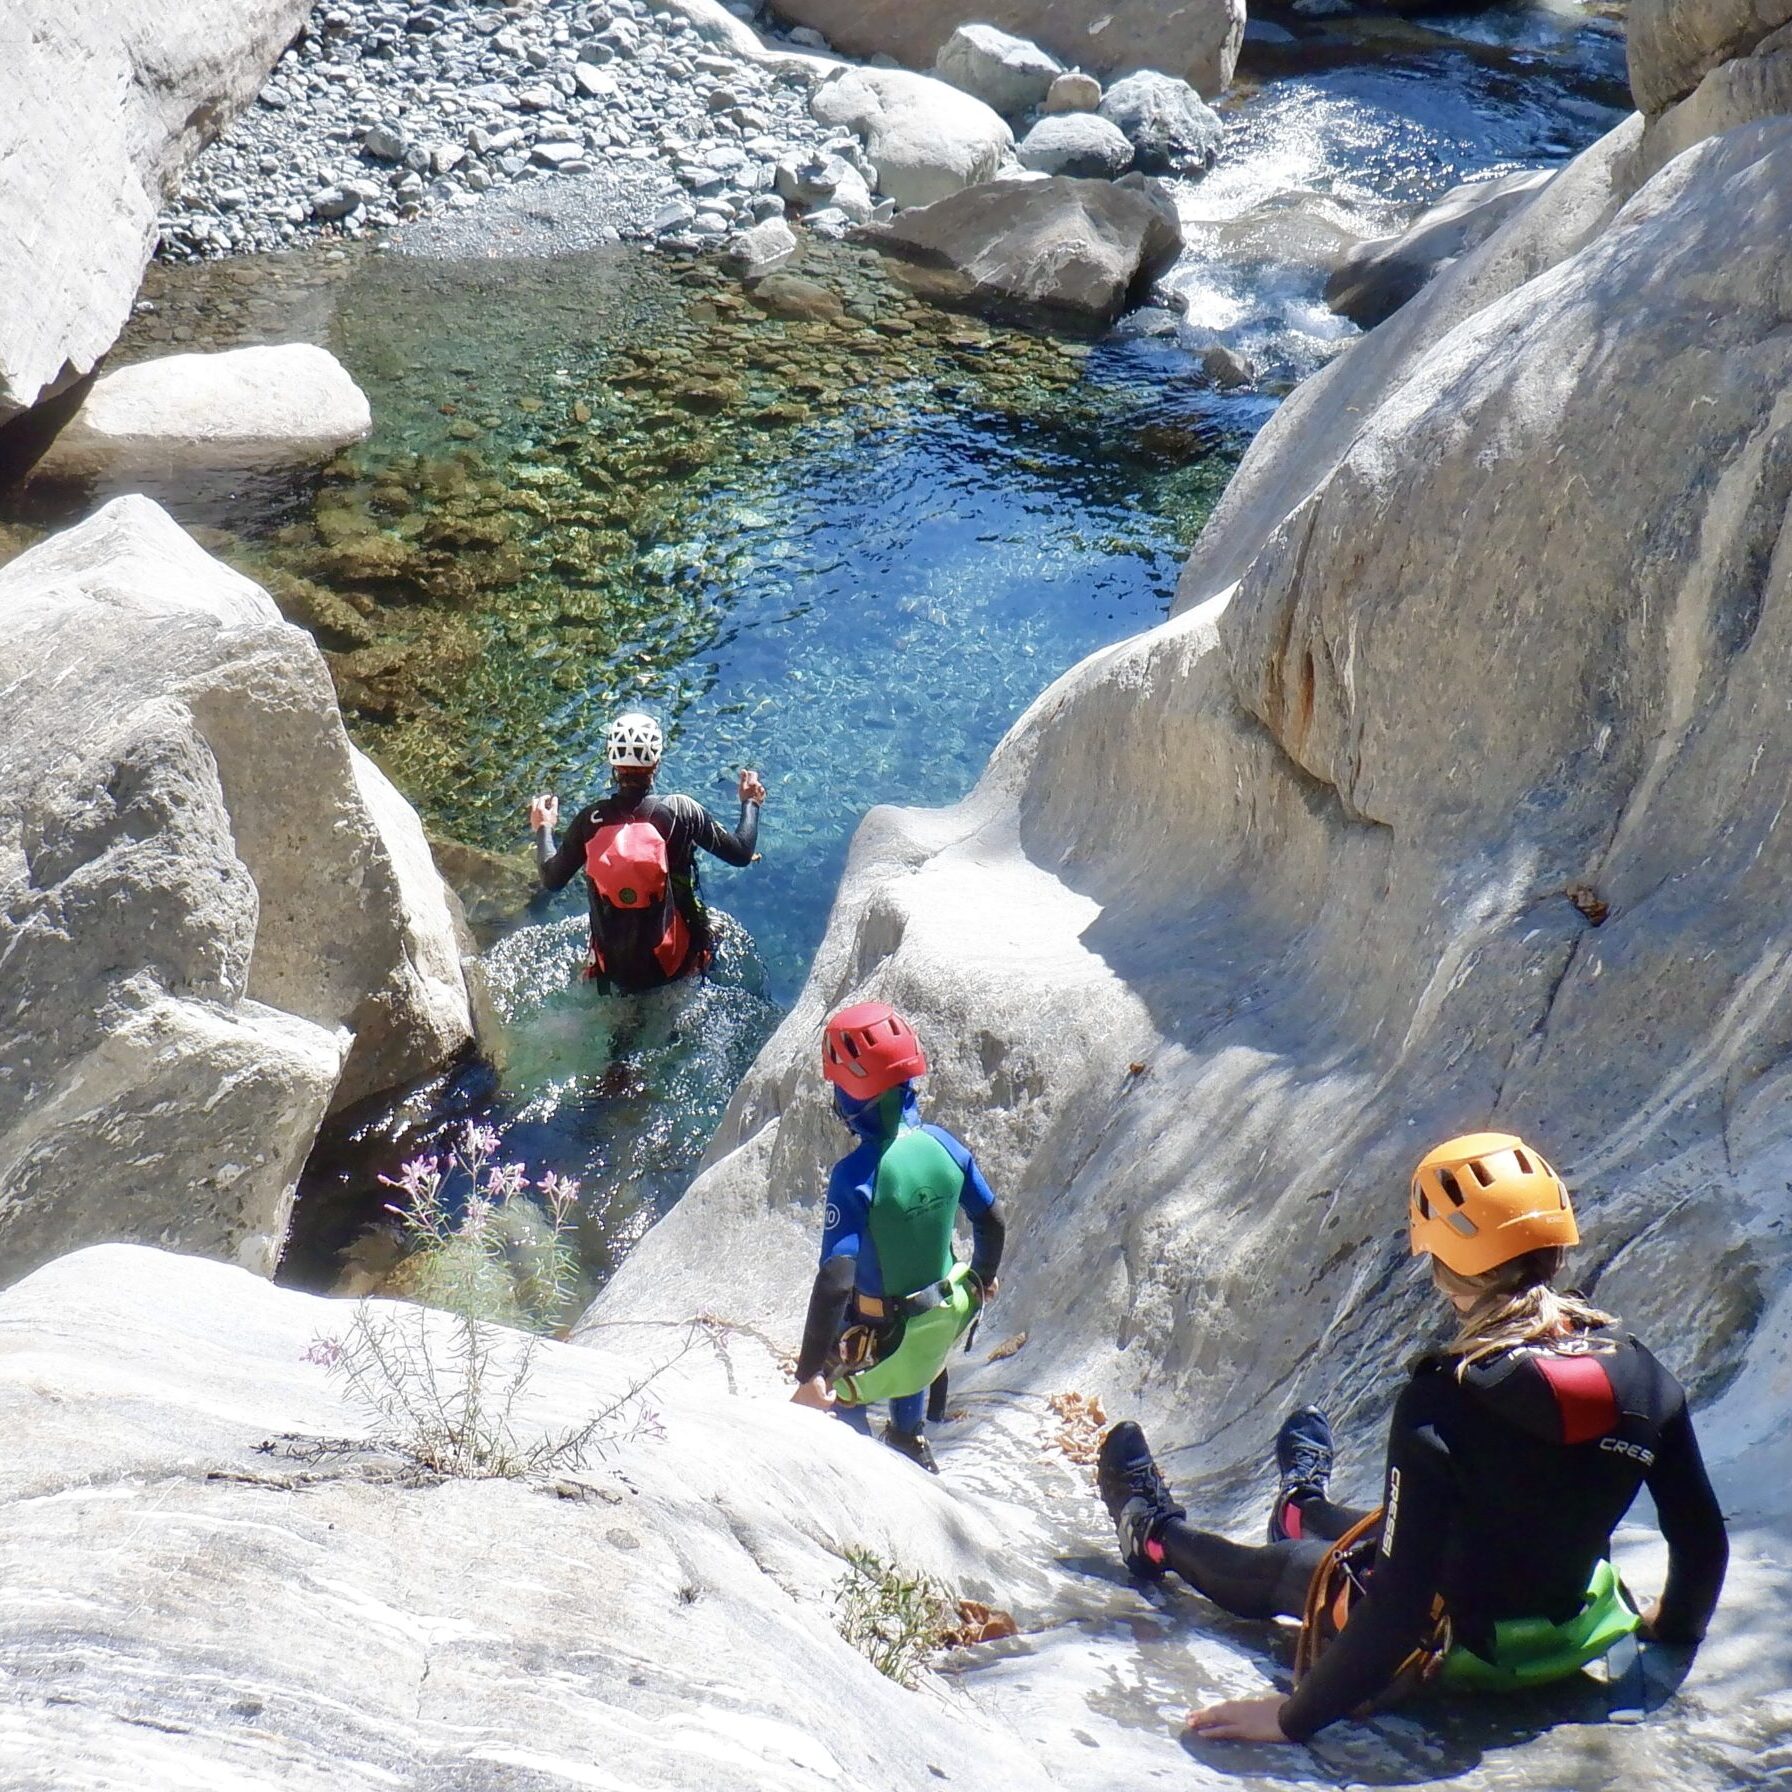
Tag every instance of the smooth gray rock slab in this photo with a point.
(1171, 130)
(1079, 144)
(217, 918)
(281, 405)
(1672, 45)
(1075, 249)
(102, 105)
(1376, 278)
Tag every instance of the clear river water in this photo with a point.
(827, 533)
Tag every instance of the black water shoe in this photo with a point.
(912, 1445)
(1137, 1498)
(1304, 1464)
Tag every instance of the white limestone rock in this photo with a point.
(1008, 74)
(143, 87)
(241, 407)
(216, 918)
(926, 139)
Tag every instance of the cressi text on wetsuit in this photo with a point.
(621, 943)
(853, 1276)
(1502, 1491)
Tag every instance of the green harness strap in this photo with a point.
(927, 1340)
(1532, 1651)
(914, 1205)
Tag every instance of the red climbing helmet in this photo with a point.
(870, 1048)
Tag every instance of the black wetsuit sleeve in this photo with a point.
(559, 866)
(1392, 1617)
(989, 1234)
(1693, 1524)
(827, 1315)
(732, 847)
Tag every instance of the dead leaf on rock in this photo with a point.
(1589, 902)
(979, 1623)
(1007, 1348)
(1136, 1069)
(1080, 1425)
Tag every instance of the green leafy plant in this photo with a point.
(895, 1619)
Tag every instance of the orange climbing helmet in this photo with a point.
(869, 1049)
(1480, 1200)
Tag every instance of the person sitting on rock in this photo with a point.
(649, 925)
(1514, 1453)
(889, 1300)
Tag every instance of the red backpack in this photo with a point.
(627, 864)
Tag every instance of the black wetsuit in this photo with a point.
(626, 943)
(1502, 1492)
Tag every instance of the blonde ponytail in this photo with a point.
(1515, 1304)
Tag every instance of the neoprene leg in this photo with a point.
(1319, 1518)
(1267, 1581)
(909, 1413)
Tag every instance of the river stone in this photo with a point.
(765, 246)
(1170, 129)
(217, 918)
(1197, 39)
(1248, 910)
(1008, 74)
(1375, 278)
(242, 407)
(1071, 249)
(1074, 92)
(1078, 144)
(926, 139)
(787, 295)
(144, 86)
(1674, 44)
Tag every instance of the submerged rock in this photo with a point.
(243, 407)
(220, 919)
(926, 139)
(1078, 249)
(1376, 278)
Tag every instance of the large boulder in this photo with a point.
(926, 139)
(1170, 129)
(241, 408)
(190, 1605)
(217, 918)
(1735, 92)
(1454, 797)
(1079, 144)
(1377, 277)
(102, 105)
(1673, 45)
(1196, 39)
(1079, 250)
(1007, 74)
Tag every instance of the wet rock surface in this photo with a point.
(1061, 249)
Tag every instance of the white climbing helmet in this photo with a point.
(634, 739)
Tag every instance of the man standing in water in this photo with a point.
(649, 926)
